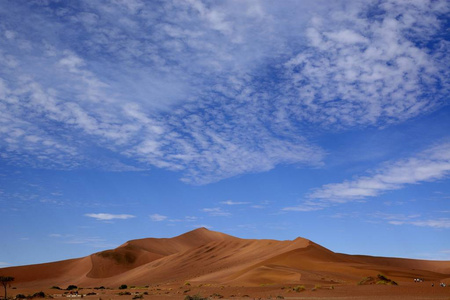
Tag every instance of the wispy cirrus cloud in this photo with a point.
(200, 89)
(109, 217)
(157, 217)
(94, 242)
(415, 220)
(230, 202)
(430, 165)
(4, 264)
(434, 223)
(307, 206)
(216, 212)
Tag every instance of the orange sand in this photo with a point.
(215, 263)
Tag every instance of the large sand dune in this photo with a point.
(207, 257)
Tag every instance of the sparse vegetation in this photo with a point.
(72, 287)
(365, 280)
(124, 293)
(6, 280)
(123, 287)
(56, 287)
(384, 280)
(38, 295)
(195, 297)
(138, 296)
(380, 279)
(299, 288)
(35, 295)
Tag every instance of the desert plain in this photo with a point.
(214, 265)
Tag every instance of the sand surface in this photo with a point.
(215, 265)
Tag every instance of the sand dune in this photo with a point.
(204, 256)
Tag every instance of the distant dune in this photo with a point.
(208, 257)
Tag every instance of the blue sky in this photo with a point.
(262, 119)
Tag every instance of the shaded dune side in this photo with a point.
(139, 252)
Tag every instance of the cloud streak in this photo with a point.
(230, 202)
(157, 217)
(415, 220)
(216, 212)
(109, 217)
(430, 165)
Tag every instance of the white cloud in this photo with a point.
(430, 165)
(216, 212)
(360, 70)
(94, 242)
(261, 205)
(185, 219)
(108, 217)
(306, 206)
(193, 95)
(4, 264)
(434, 223)
(415, 220)
(229, 202)
(157, 217)
(258, 206)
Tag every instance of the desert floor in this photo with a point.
(405, 291)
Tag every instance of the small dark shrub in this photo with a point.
(38, 295)
(123, 287)
(72, 287)
(124, 293)
(140, 296)
(20, 296)
(299, 288)
(195, 297)
(55, 287)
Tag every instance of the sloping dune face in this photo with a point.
(136, 253)
(205, 256)
(48, 274)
